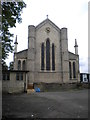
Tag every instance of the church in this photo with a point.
(47, 58)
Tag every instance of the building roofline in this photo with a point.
(21, 51)
(73, 53)
(15, 71)
(45, 21)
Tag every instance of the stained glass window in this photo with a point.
(70, 70)
(74, 70)
(42, 56)
(53, 57)
(19, 65)
(47, 54)
(23, 65)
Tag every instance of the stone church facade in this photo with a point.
(47, 58)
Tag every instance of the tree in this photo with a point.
(11, 65)
(4, 66)
(11, 13)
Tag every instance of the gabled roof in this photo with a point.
(47, 21)
(73, 53)
(22, 51)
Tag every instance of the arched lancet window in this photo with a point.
(19, 65)
(23, 65)
(42, 56)
(70, 70)
(53, 57)
(47, 54)
(74, 70)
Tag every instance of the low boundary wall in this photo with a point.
(60, 87)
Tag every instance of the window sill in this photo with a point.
(73, 78)
(47, 71)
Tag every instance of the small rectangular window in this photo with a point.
(21, 76)
(17, 76)
(8, 76)
(4, 76)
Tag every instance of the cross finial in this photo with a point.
(47, 16)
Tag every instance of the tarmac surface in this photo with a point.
(66, 104)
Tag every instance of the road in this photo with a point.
(66, 104)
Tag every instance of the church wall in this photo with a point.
(32, 56)
(21, 60)
(38, 35)
(41, 36)
(48, 77)
(64, 51)
(75, 58)
(19, 56)
(31, 77)
(31, 53)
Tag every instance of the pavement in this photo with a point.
(66, 104)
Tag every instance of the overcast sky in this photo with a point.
(72, 14)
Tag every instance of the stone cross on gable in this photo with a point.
(47, 16)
